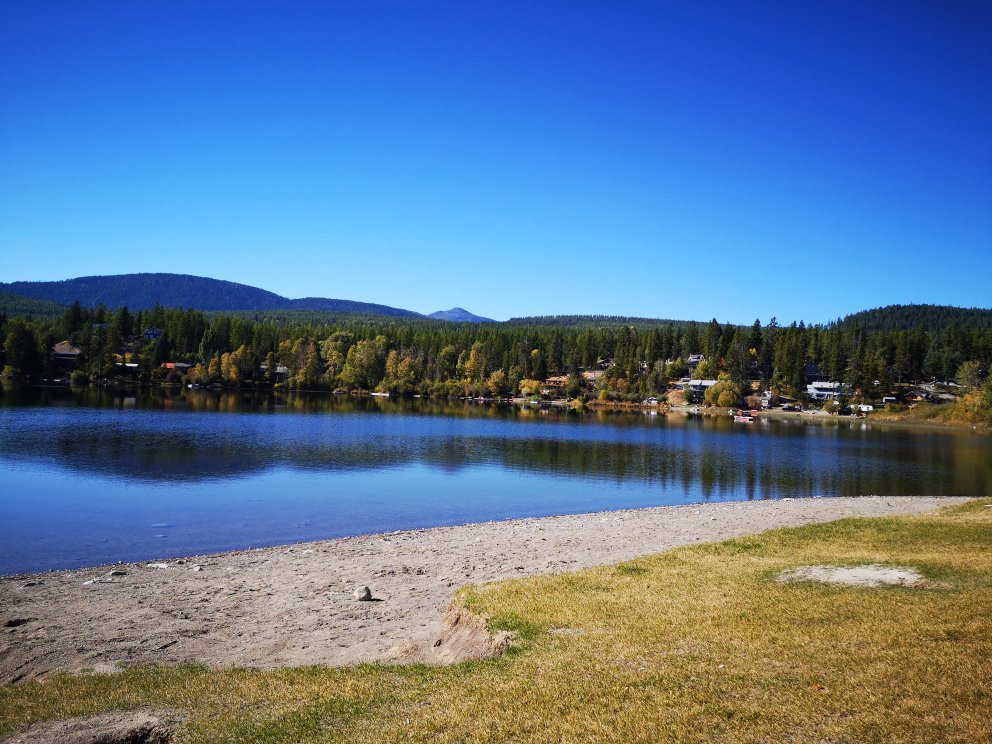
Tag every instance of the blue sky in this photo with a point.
(688, 160)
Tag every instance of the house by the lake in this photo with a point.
(696, 389)
(65, 353)
(825, 390)
(178, 366)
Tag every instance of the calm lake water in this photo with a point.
(97, 476)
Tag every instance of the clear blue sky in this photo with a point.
(691, 160)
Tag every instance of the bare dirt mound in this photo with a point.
(112, 727)
(870, 575)
(463, 637)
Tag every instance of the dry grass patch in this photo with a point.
(696, 644)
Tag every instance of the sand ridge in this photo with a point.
(294, 605)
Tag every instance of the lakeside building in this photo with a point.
(178, 366)
(696, 389)
(65, 352)
(695, 359)
(827, 390)
(282, 372)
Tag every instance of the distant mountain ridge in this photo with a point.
(143, 291)
(459, 315)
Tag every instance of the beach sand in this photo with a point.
(294, 605)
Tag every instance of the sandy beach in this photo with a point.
(294, 605)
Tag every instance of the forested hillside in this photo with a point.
(909, 317)
(13, 304)
(594, 321)
(144, 291)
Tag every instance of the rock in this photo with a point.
(157, 565)
(196, 568)
(31, 583)
(117, 572)
(363, 594)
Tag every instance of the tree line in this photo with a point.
(425, 357)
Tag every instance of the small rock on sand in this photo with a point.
(363, 594)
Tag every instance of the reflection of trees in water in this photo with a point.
(712, 457)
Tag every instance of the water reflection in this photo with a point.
(779, 459)
(269, 468)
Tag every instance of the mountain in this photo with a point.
(908, 317)
(143, 291)
(459, 315)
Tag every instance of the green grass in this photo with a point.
(696, 644)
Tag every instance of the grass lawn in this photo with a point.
(696, 644)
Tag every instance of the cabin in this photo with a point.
(593, 375)
(65, 353)
(282, 372)
(695, 390)
(695, 359)
(177, 366)
(827, 390)
(556, 382)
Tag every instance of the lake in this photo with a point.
(97, 476)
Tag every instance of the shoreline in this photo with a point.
(293, 605)
(662, 408)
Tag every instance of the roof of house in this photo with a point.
(702, 383)
(64, 347)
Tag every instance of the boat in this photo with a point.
(744, 417)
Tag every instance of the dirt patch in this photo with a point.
(112, 727)
(870, 575)
(463, 637)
